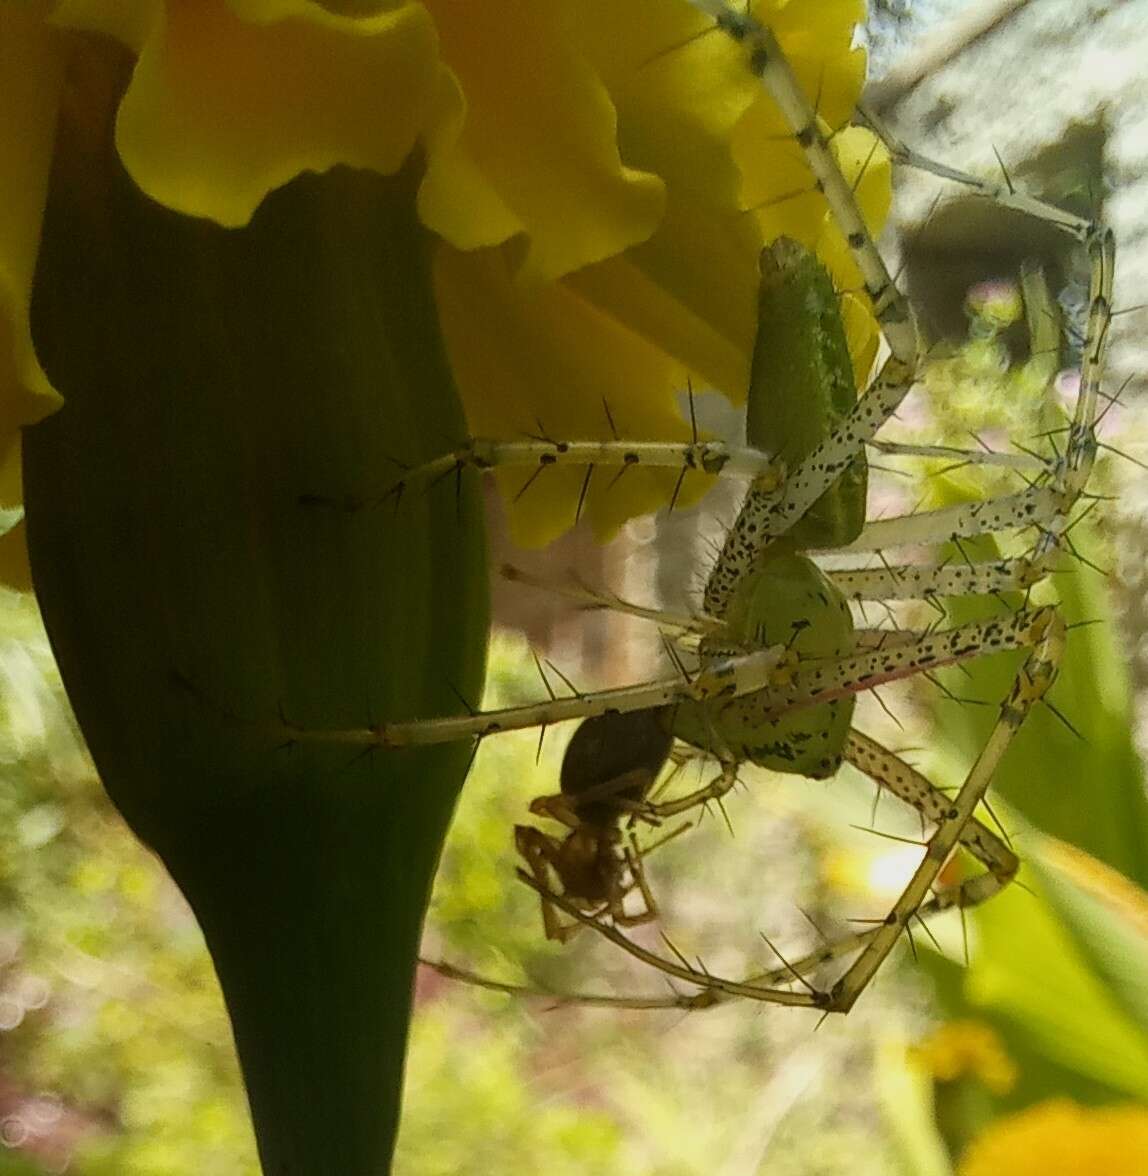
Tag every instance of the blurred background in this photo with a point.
(1018, 1043)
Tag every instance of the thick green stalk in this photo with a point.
(214, 380)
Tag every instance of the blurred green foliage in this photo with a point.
(116, 1043)
(1059, 961)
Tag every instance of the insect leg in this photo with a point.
(539, 850)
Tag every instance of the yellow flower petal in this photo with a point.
(817, 38)
(862, 335)
(967, 1048)
(678, 98)
(683, 303)
(1061, 1138)
(31, 65)
(127, 21)
(221, 110)
(691, 112)
(533, 361)
(532, 149)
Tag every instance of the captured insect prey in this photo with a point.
(610, 765)
(768, 668)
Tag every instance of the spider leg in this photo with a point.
(714, 790)
(683, 1001)
(581, 594)
(922, 581)
(914, 788)
(1004, 194)
(962, 521)
(541, 453)
(1013, 461)
(818, 680)
(1031, 684)
(767, 61)
(680, 971)
(731, 676)
(768, 513)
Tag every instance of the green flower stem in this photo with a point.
(214, 380)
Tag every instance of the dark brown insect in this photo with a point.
(609, 767)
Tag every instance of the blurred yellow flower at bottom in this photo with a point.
(967, 1048)
(1062, 1138)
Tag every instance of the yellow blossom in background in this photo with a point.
(589, 165)
(960, 1049)
(1062, 1138)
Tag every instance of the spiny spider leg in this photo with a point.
(956, 824)
(680, 971)
(1015, 461)
(924, 581)
(727, 677)
(713, 457)
(766, 61)
(1003, 194)
(690, 624)
(769, 513)
(1031, 684)
(779, 681)
(890, 772)
(481, 453)
(814, 681)
(683, 1001)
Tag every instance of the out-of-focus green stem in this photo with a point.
(214, 379)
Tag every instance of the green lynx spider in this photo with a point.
(769, 677)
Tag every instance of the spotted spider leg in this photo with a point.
(712, 457)
(891, 773)
(773, 510)
(769, 513)
(956, 824)
(777, 678)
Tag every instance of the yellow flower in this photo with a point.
(1061, 1138)
(967, 1048)
(586, 163)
